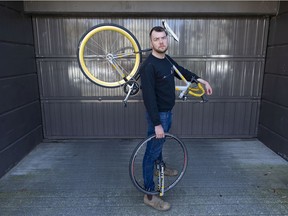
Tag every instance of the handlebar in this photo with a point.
(197, 91)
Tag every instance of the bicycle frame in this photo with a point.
(188, 89)
(184, 89)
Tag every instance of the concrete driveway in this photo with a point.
(224, 177)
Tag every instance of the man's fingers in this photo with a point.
(159, 136)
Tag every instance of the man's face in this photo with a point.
(159, 41)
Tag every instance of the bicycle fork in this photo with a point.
(160, 171)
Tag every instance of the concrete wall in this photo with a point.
(20, 113)
(273, 125)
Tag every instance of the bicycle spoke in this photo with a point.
(120, 69)
(96, 46)
(122, 52)
(113, 45)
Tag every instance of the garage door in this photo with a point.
(229, 52)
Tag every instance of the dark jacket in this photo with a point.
(158, 85)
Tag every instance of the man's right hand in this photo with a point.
(159, 131)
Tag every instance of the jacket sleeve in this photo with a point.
(148, 83)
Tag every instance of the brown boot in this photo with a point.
(170, 172)
(157, 203)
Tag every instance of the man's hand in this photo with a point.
(208, 89)
(159, 131)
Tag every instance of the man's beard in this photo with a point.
(161, 51)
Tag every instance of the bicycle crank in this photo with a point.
(131, 88)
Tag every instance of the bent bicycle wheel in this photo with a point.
(109, 55)
(174, 155)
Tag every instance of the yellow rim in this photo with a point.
(87, 71)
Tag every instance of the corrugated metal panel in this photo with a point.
(198, 37)
(230, 77)
(92, 119)
(229, 52)
(232, 37)
(229, 118)
(64, 79)
(233, 78)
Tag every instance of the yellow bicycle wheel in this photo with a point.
(109, 55)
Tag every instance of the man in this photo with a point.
(158, 90)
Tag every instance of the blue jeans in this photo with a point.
(154, 149)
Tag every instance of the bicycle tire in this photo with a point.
(173, 149)
(100, 43)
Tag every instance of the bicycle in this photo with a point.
(174, 155)
(109, 55)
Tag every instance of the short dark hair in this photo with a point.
(158, 29)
